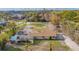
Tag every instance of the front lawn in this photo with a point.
(58, 46)
(12, 49)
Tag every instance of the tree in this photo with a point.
(76, 19)
(69, 15)
(3, 44)
(1, 28)
(12, 26)
(55, 18)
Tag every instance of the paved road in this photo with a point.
(71, 44)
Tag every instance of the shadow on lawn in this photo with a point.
(11, 49)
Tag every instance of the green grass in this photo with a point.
(12, 49)
(54, 42)
(58, 45)
(38, 24)
(36, 41)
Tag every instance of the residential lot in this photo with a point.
(42, 42)
(42, 30)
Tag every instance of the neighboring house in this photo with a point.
(3, 23)
(18, 17)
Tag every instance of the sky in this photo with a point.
(26, 9)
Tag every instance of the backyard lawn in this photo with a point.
(45, 45)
